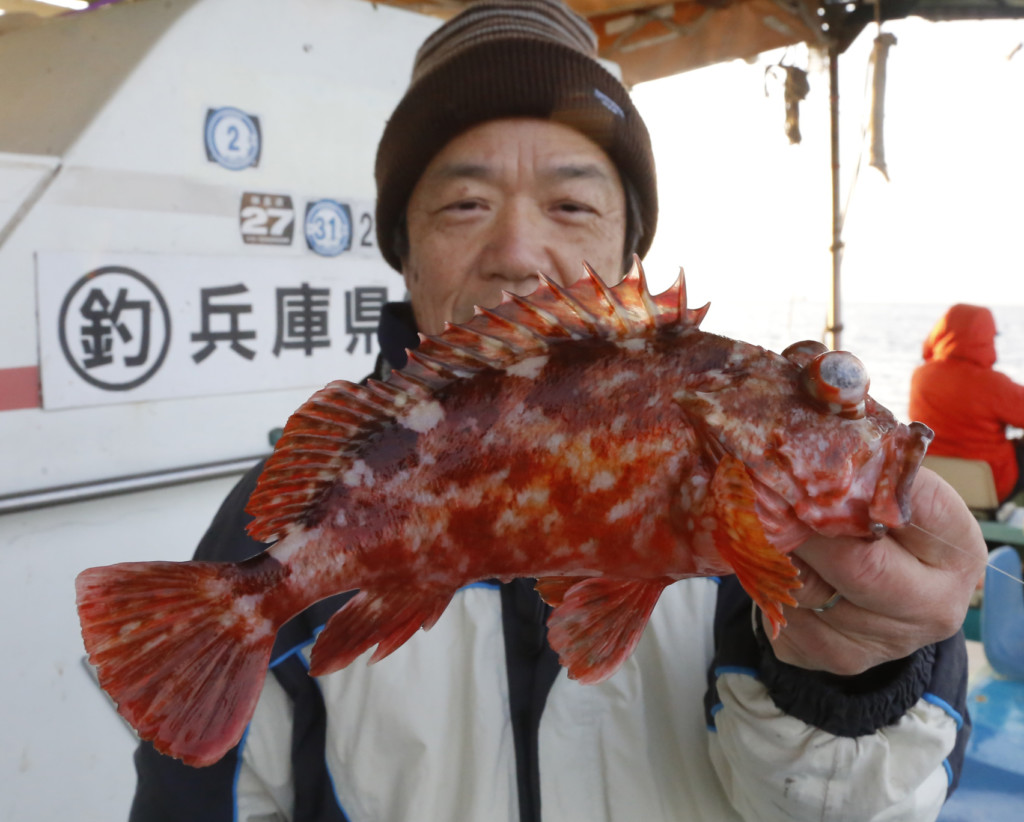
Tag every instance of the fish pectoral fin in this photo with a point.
(553, 589)
(766, 574)
(383, 617)
(599, 622)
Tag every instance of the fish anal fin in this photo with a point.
(385, 617)
(553, 589)
(765, 573)
(599, 623)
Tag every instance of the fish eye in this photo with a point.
(839, 381)
(801, 353)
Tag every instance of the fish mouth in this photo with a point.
(890, 506)
(878, 498)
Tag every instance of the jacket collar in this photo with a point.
(396, 333)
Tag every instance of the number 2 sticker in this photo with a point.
(232, 138)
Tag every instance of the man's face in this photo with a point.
(502, 202)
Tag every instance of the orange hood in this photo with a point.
(965, 332)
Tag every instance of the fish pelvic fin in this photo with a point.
(386, 618)
(599, 623)
(181, 647)
(553, 589)
(766, 574)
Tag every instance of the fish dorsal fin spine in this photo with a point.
(323, 438)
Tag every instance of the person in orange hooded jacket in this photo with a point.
(964, 400)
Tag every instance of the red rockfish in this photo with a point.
(590, 437)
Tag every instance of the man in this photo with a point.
(515, 152)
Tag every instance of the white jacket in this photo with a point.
(426, 735)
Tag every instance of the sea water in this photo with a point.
(886, 337)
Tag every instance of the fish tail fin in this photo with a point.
(181, 647)
(385, 618)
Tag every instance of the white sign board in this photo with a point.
(122, 328)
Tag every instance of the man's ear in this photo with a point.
(400, 240)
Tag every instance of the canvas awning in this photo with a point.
(651, 40)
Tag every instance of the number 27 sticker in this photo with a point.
(266, 219)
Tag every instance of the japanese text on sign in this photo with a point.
(151, 329)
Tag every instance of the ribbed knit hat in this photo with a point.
(509, 58)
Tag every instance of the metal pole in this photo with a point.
(80, 492)
(834, 327)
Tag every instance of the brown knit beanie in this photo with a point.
(510, 58)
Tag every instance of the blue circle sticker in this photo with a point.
(232, 138)
(328, 227)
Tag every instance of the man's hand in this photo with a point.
(900, 593)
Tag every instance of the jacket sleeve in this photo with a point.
(790, 744)
(277, 771)
(253, 782)
(168, 790)
(1008, 400)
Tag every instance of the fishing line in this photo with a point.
(988, 565)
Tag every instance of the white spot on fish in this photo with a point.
(635, 344)
(285, 549)
(509, 521)
(537, 496)
(602, 481)
(529, 368)
(246, 609)
(620, 510)
(358, 475)
(550, 521)
(423, 416)
(555, 442)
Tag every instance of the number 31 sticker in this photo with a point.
(232, 138)
(328, 227)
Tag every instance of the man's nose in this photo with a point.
(517, 249)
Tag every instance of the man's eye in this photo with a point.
(463, 205)
(575, 208)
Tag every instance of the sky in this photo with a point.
(748, 215)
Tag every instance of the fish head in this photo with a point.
(861, 485)
(815, 444)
